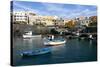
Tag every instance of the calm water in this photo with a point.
(73, 51)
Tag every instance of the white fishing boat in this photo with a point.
(30, 35)
(54, 42)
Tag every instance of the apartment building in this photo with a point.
(20, 17)
(27, 17)
(82, 21)
(45, 20)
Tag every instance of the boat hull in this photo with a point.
(36, 52)
(31, 36)
(54, 43)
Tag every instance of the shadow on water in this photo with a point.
(37, 56)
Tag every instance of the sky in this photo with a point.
(55, 9)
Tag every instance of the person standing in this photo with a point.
(90, 36)
(52, 37)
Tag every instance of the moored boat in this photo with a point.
(30, 35)
(54, 42)
(36, 52)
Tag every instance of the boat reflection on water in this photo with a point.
(28, 40)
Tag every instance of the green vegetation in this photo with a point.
(53, 31)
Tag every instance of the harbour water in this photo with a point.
(72, 51)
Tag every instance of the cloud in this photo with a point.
(24, 8)
(61, 10)
(68, 12)
(85, 12)
(53, 7)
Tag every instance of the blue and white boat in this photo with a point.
(54, 42)
(36, 52)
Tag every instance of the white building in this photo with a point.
(45, 20)
(82, 21)
(32, 18)
(85, 21)
(20, 17)
(27, 17)
(60, 22)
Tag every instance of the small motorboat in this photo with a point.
(54, 42)
(30, 35)
(36, 52)
(90, 37)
